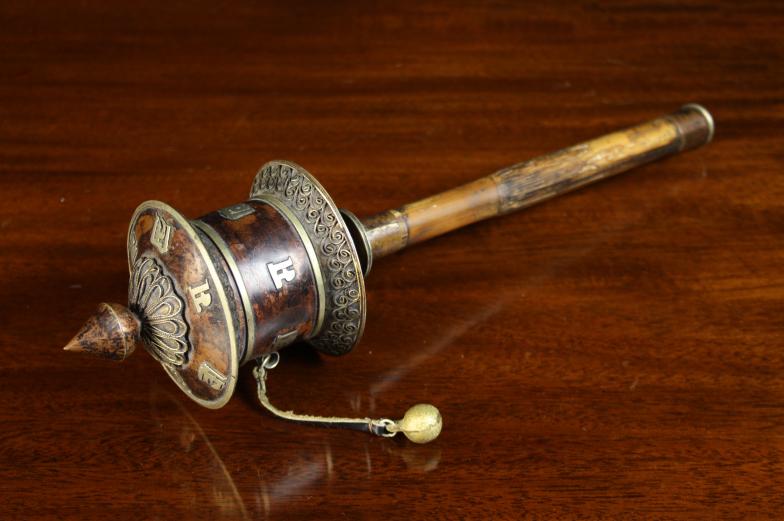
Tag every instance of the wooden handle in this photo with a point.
(528, 183)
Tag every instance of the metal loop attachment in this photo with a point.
(270, 360)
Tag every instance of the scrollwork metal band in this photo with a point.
(338, 261)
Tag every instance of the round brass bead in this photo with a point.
(422, 423)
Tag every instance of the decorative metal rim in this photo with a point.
(366, 251)
(708, 118)
(228, 390)
(344, 285)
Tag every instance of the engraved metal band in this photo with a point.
(228, 256)
(344, 287)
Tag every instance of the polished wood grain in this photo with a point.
(614, 353)
(531, 182)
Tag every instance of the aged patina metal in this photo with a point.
(241, 283)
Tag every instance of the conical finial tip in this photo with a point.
(112, 332)
(73, 345)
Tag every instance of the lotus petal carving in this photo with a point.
(152, 297)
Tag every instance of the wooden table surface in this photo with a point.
(615, 353)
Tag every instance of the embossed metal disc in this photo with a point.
(343, 287)
(189, 323)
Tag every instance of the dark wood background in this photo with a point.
(616, 353)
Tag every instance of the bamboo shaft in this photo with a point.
(539, 179)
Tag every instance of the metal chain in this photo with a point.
(380, 427)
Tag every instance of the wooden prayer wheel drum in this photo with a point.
(211, 294)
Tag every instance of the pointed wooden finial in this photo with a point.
(112, 332)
